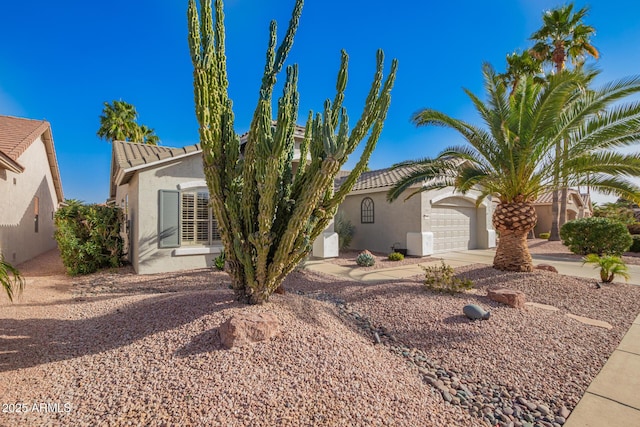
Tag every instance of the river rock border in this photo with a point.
(499, 405)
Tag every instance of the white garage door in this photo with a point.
(454, 228)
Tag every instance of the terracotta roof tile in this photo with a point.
(17, 134)
(130, 154)
(379, 178)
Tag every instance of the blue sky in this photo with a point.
(60, 61)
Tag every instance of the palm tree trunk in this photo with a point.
(513, 221)
(563, 207)
(554, 234)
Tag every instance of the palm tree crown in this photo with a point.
(118, 123)
(513, 157)
(563, 35)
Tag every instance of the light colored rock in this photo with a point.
(247, 328)
(546, 267)
(591, 322)
(541, 306)
(510, 297)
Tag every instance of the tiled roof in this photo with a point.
(131, 154)
(17, 134)
(380, 178)
(547, 198)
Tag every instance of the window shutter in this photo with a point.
(168, 218)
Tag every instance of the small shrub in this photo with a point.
(442, 279)
(396, 256)
(635, 246)
(610, 266)
(544, 235)
(88, 237)
(345, 230)
(365, 259)
(601, 236)
(219, 261)
(10, 278)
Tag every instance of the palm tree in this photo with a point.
(520, 65)
(10, 278)
(513, 158)
(145, 135)
(118, 121)
(562, 36)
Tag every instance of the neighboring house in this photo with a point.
(169, 225)
(578, 206)
(30, 188)
(428, 223)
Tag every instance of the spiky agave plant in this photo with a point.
(269, 215)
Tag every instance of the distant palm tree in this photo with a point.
(118, 123)
(145, 135)
(513, 158)
(10, 278)
(520, 65)
(563, 36)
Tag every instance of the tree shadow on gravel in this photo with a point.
(30, 342)
(205, 342)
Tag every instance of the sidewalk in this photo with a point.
(612, 399)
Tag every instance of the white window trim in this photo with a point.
(191, 185)
(198, 250)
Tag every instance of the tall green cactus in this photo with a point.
(269, 216)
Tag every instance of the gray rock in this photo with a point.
(543, 410)
(475, 312)
(564, 412)
(560, 420)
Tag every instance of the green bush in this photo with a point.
(88, 237)
(601, 236)
(219, 261)
(396, 256)
(544, 235)
(365, 259)
(442, 279)
(635, 246)
(345, 230)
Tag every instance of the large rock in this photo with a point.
(546, 267)
(507, 296)
(247, 328)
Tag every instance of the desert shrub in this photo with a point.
(365, 259)
(634, 228)
(396, 256)
(601, 236)
(616, 211)
(219, 261)
(544, 235)
(635, 246)
(88, 237)
(610, 266)
(345, 230)
(442, 279)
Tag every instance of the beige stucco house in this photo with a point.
(30, 188)
(578, 206)
(428, 223)
(169, 225)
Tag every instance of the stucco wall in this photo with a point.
(391, 224)
(394, 220)
(19, 241)
(147, 257)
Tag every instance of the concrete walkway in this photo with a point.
(612, 399)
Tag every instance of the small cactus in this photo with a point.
(365, 259)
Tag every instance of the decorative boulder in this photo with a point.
(506, 296)
(475, 312)
(546, 267)
(247, 328)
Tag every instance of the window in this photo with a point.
(197, 225)
(366, 211)
(36, 212)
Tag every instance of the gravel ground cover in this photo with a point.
(123, 349)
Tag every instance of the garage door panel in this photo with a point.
(454, 228)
